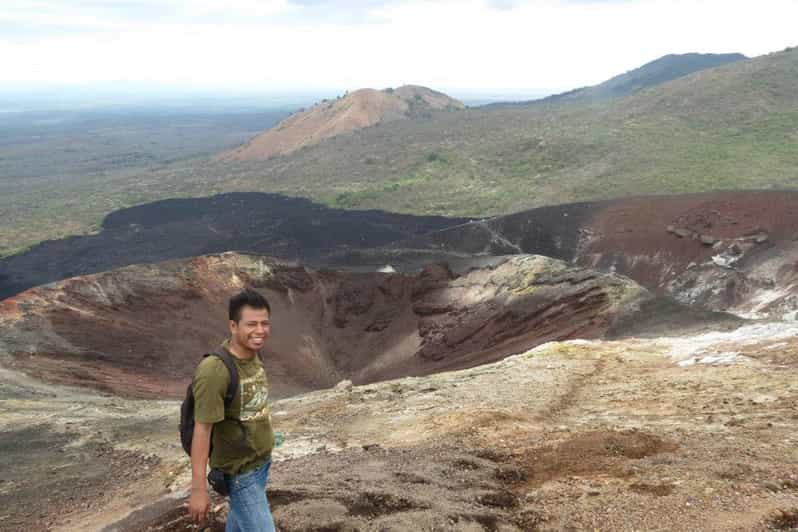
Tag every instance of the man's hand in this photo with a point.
(199, 505)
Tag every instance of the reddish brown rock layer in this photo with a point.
(635, 231)
(140, 330)
(722, 250)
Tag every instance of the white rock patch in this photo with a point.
(703, 348)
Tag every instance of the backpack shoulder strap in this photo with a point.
(232, 387)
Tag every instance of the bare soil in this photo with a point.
(569, 436)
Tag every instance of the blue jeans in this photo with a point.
(249, 509)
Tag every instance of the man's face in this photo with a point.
(252, 329)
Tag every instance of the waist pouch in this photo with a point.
(217, 480)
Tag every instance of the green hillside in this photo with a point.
(734, 126)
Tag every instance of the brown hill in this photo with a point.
(360, 109)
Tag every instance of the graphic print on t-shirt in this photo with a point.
(254, 397)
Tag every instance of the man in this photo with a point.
(244, 457)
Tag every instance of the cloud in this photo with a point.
(113, 15)
(281, 44)
(503, 4)
(342, 5)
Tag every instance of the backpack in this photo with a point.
(187, 407)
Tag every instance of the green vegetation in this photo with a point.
(735, 126)
(61, 175)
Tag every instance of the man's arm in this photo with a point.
(200, 502)
(210, 383)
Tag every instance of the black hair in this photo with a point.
(248, 298)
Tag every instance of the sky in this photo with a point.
(283, 45)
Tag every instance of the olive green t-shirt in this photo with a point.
(230, 452)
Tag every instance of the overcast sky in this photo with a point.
(320, 44)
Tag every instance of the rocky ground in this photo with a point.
(67, 452)
(673, 433)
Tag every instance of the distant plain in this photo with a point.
(62, 171)
(730, 127)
